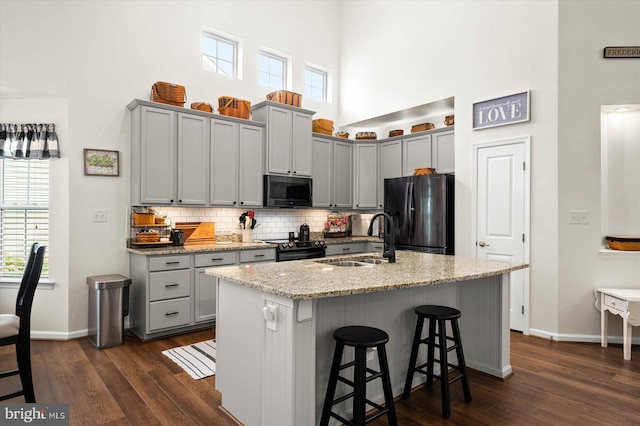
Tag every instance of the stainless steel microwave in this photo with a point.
(287, 191)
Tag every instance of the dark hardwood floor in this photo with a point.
(134, 384)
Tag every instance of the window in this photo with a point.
(315, 84)
(272, 71)
(219, 54)
(24, 213)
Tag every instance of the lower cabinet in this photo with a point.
(349, 248)
(205, 297)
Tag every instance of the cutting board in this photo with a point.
(197, 233)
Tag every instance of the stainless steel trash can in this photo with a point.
(108, 305)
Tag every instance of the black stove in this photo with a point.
(297, 250)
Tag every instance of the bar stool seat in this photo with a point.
(437, 338)
(360, 338)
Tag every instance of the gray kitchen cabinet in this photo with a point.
(153, 156)
(443, 151)
(374, 247)
(365, 192)
(258, 255)
(250, 165)
(193, 162)
(348, 248)
(160, 294)
(236, 164)
(416, 153)
(288, 141)
(332, 172)
(224, 163)
(390, 165)
(205, 297)
(342, 174)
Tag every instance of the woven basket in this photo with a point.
(202, 106)
(449, 120)
(143, 218)
(147, 237)
(234, 107)
(624, 243)
(344, 135)
(396, 133)
(424, 171)
(422, 127)
(366, 136)
(168, 93)
(284, 97)
(323, 126)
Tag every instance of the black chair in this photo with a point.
(16, 329)
(438, 315)
(360, 338)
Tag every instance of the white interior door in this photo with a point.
(502, 215)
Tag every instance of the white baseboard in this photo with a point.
(61, 335)
(584, 338)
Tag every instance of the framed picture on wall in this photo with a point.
(501, 111)
(100, 162)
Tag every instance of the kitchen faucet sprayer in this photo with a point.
(389, 249)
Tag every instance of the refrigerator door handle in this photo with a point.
(406, 207)
(411, 209)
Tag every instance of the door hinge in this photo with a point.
(522, 309)
(523, 238)
(524, 166)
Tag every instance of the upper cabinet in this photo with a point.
(389, 166)
(193, 158)
(153, 156)
(416, 154)
(443, 151)
(288, 144)
(366, 176)
(332, 172)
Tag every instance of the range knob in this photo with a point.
(291, 245)
(283, 245)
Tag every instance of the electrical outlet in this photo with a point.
(99, 215)
(579, 217)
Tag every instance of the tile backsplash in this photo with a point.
(272, 224)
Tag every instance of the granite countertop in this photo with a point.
(309, 279)
(231, 246)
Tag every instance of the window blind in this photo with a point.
(24, 213)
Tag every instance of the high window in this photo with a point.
(220, 54)
(315, 84)
(272, 71)
(24, 213)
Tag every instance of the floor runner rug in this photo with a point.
(198, 359)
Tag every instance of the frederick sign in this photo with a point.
(622, 52)
(501, 111)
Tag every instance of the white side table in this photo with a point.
(626, 304)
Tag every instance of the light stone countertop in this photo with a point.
(309, 279)
(168, 250)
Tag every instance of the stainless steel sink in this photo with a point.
(351, 263)
(373, 260)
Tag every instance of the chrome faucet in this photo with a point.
(389, 250)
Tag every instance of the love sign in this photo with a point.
(500, 111)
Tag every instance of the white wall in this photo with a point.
(397, 55)
(586, 82)
(100, 55)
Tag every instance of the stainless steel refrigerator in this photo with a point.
(422, 208)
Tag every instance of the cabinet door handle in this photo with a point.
(234, 202)
(173, 263)
(171, 200)
(217, 259)
(171, 285)
(258, 255)
(346, 249)
(294, 172)
(168, 314)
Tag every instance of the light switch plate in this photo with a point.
(580, 217)
(99, 215)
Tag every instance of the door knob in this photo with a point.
(483, 244)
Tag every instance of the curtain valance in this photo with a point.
(28, 141)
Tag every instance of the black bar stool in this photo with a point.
(360, 338)
(438, 315)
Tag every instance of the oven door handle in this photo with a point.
(300, 254)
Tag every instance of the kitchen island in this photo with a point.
(275, 326)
